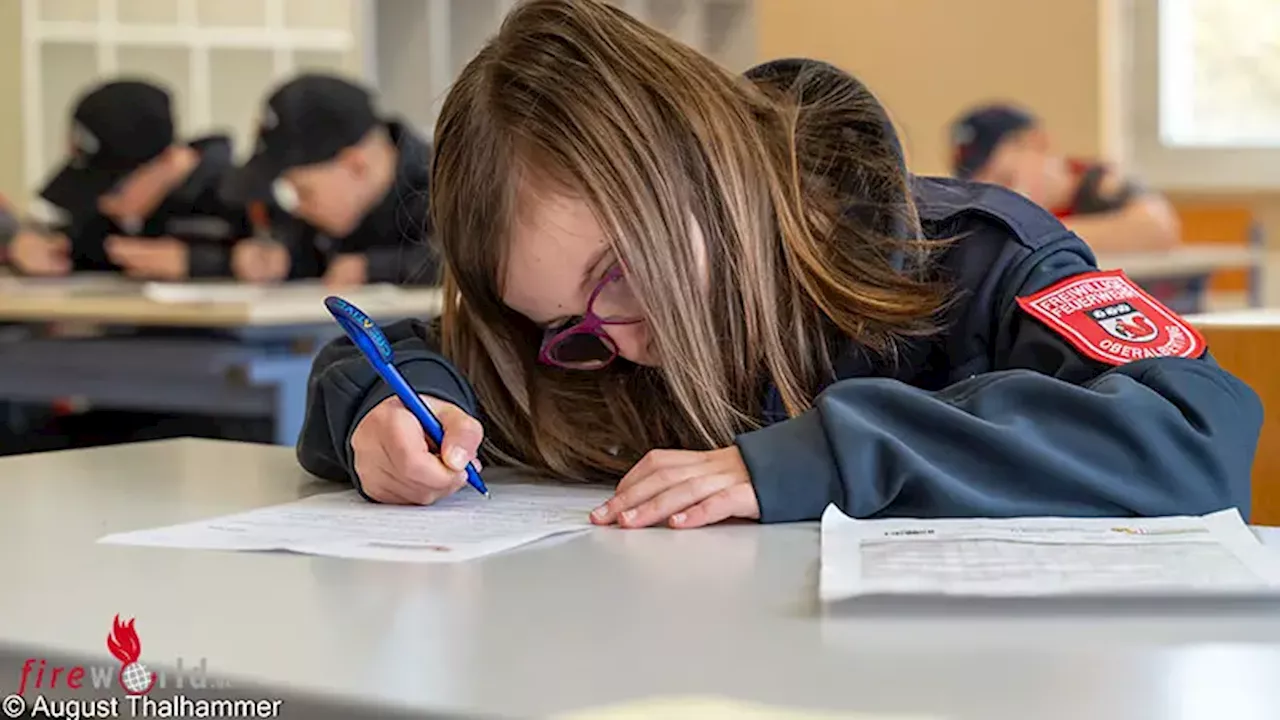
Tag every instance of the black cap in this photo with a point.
(977, 134)
(306, 121)
(115, 129)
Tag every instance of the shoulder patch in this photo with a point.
(1107, 317)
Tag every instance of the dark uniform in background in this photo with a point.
(312, 120)
(1089, 197)
(116, 129)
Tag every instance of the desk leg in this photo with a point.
(288, 376)
(291, 409)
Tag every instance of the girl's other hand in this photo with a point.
(394, 461)
(684, 489)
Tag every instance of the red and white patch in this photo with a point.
(1106, 316)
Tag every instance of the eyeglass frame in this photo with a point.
(590, 324)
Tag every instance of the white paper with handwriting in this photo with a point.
(342, 524)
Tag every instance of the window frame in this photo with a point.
(1178, 167)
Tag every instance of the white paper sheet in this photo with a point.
(233, 292)
(462, 527)
(1211, 555)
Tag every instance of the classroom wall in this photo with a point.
(11, 168)
(929, 59)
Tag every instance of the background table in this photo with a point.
(1182, 261)
(1180, 277)
(239, 350)
(593, 619)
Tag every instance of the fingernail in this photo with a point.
(677, 519)
(628, 516)
(456, 457)
(600, 512)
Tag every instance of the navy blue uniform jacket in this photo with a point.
(1003, 414)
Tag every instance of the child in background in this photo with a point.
(1006, 145)
(355, 183)
(728, 296)
(132, 198)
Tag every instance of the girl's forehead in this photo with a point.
(553, 223)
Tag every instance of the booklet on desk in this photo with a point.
(1212, 555)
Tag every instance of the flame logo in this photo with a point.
(124, 644)
(123, 641)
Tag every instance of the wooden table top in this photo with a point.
(1181, 261)
(113, 300)
(1253, 319)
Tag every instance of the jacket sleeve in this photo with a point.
(1047, 432)
(306, 259)
(88, 238)
(209, 259)
(344, 387)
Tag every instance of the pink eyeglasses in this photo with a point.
(584, 344)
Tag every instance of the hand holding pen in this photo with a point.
(396, 462)
(260, 258)
(394, 444)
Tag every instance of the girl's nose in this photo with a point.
(632, 342)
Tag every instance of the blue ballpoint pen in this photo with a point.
(367, 336)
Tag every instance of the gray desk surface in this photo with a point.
(597, 618)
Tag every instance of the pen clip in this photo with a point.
(362, 330)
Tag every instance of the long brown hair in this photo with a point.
(798, 191)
